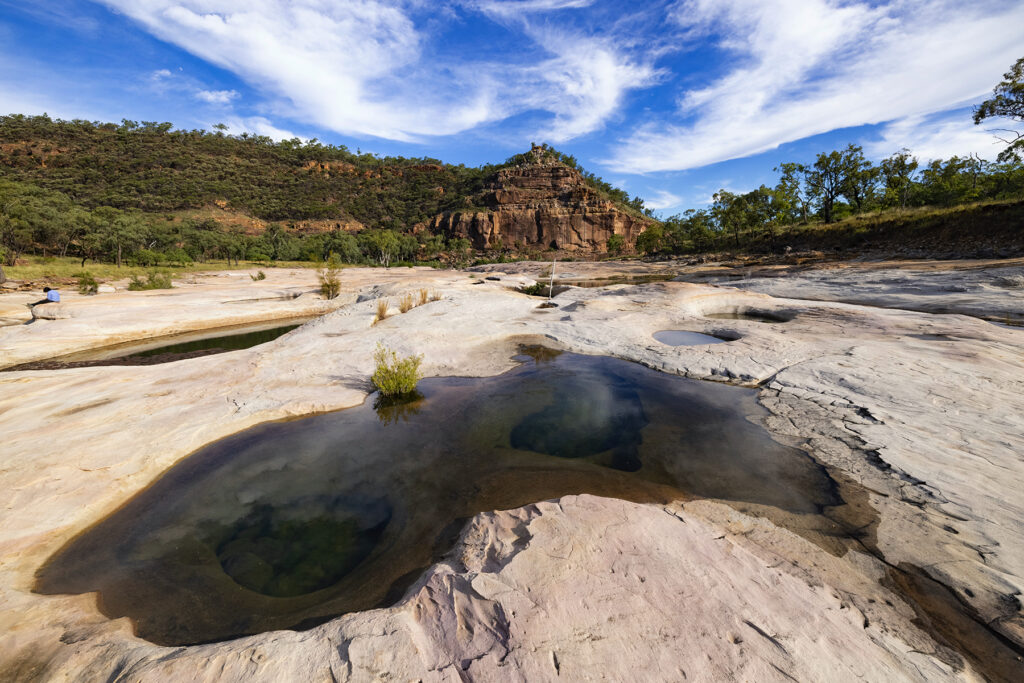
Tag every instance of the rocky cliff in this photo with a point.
(542, 203)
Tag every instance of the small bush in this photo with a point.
(536, 289)
(154, 280)
(87, 284)
(382, 308)
(405, 303)
(260, 275)
(394, 376)
(329, 276)
(424, 295)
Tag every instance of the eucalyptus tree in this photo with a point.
(859, 177)
(1007, 102)
(898, 177)
(825, 181)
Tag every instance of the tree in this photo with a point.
(730, 212)
(616, 243)
(898, 177)
(649, 241)
(1008, 103)
(790, 194)
(380, 245)
(859, 176)
(825, 181)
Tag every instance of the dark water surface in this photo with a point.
(290, 523)
(167, 349)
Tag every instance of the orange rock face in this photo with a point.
(541, 205)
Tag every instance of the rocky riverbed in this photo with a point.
(915, 415)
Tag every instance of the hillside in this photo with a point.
(153, 168)
(148, 194)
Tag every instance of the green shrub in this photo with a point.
(260, 275)
(329, 276)
(87, 283)
(394, 376)
(536, 289)
(146, 258)
(154, 280)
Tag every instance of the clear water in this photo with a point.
(288, 524)
(684, 338)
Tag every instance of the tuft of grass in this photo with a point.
(154, 280)
(423, 296)
(435, 295)
(329, 276)
(394, 376)
(260, 275)
(87, 284)
(405, 303)
(382, 309)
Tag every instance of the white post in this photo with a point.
(551, 284)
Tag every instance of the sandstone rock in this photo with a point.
(541, 205)
(922, 411)
(51, 312)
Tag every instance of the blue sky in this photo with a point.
(669, 100)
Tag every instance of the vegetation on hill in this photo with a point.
(130, 192)
(840, 199)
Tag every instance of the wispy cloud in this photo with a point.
(368, 67)
(216, 96)
(662, 199)
(935, 138)
(259, 125)
(804, 67)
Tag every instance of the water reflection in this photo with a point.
(288, 524)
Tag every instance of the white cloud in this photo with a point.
(930, 138)
(585, 84)
(804, 67)
(365, 67)
(160, 74)
(519, 7)
(662, 199)
(258, 125)
(216, 96)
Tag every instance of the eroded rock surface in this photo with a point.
(919, 412)
(542, 204)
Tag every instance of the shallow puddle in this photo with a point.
(684, 338)
(171, 348)
(756, 316)
(288, 524)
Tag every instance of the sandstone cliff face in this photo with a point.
(542, 204)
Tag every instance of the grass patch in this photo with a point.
(153, 280)
(87, 284)
(394, 376)
(405, 303)
(382, 309)
(260, 275)
(329, 277)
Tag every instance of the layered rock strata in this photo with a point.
(544, 204)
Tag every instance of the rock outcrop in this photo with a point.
(545, 204)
